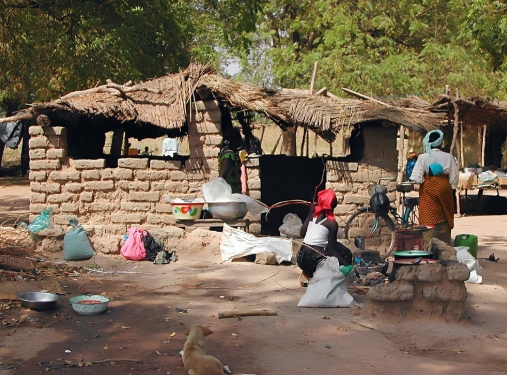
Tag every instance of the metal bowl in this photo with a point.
(88, 304)
(227, 210)
(38, 300)
(364, 270)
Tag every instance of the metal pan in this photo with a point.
(412, 254)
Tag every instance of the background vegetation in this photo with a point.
(377, 47)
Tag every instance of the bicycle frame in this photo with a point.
(408, 205)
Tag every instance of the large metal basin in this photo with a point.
(38, 300)
(227, 210)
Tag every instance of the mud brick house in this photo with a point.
(110, 191)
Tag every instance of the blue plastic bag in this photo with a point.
(41, 222)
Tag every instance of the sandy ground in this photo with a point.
(143, 332)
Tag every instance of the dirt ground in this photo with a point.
(152, 305)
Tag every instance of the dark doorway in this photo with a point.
(495, 139)
(284, 178)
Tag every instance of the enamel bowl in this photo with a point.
(89, 304)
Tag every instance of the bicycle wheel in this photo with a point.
(378, 231)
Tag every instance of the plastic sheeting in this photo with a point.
(236, 244)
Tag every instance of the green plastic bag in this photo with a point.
(41, 222)
(76, 244)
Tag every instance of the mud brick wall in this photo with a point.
(108, 201)
(352, 181)
(422, 291)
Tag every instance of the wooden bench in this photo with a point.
(212, 223)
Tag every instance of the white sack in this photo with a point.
(464, 256)
(236, 243)
(328, 286)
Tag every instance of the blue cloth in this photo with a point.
(436, 169)
(410, 168)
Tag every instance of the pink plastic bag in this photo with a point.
(133, 248)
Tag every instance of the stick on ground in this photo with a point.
(236, 313)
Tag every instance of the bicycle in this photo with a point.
(377, 229)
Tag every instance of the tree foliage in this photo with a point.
(50, 47)
(377, 47)
(380, 47)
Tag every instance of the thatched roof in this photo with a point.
(163, 102)
(474, 111)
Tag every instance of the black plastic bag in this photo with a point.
(152, 247)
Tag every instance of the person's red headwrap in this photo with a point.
(326, 200)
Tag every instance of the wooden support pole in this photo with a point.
(314, 144)
(479, 143)
(483, 153)
(401, 162)
(314, 75)
(263, 129)
(305, 133)
(455, 128)
(462, 147)
(277, 141)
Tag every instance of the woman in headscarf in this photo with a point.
(437, 173)
(320, 231)
(231, 166)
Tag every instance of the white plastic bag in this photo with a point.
(236, 244)
(218, 190)
(215, 189)
(328, 286)
(254, 206)
(291, 226)
(464, 256)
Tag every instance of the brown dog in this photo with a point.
(195, 359)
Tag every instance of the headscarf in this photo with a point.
(437, 143)
(326, 200)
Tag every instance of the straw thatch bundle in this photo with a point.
(164, 102)
(16, 242)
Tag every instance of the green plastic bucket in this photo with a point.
(469, 240)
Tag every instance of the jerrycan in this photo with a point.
(469, 240)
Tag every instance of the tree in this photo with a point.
(380, 48)
(51, 47)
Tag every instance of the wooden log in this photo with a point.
(322, 91)
(351, 92)
(22, 116)
(255, 312)
(43, 120)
